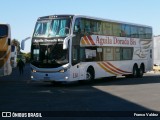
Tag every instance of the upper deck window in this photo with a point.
(89, 26)
(148, 32)
(125, 30)
(134, 32)
(142, 32)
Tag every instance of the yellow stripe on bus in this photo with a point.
(83, 42)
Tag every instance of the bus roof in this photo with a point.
(4, 23)
(110, 20)
(90, 17)
(56, 16)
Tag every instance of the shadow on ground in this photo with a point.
(17, 94)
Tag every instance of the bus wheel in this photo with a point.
(135, 71)
(90, 74)
(140, 71)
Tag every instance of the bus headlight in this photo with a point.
(63, 70)
(34, 71)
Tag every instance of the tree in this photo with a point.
(27, 56)
(16, 43)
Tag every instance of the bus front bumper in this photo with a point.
(50, 77)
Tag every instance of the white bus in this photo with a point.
(76, 47)
(5, 50)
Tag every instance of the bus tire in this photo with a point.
(135, 71)
(90, 74)
(141, 71)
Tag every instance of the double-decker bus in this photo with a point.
(76, 47)
(5, 50)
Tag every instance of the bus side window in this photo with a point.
(77, 28)
(134, 32)
(116, 29)
(95, 27)
(141, 31)
(148, 33)
(87, 27)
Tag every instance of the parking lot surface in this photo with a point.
(18, 93)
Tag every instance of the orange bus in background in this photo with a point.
(5, 50)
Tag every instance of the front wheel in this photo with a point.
(90, 74)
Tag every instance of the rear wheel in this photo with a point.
(135, 71)
(141, 71)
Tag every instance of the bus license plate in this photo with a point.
(46, 78)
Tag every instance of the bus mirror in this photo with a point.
(65, 43)
(9, 41)
(23, 42)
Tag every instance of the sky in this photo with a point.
(22, 14)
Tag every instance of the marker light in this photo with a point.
(63, 70)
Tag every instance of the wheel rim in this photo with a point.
(88, 76)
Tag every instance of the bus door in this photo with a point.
(75, 73)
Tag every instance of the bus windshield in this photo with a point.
(3, 30)
(49, 55)
(52, 28)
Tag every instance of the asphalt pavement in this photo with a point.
(121, 96)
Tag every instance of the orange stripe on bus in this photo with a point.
(112, 69)
(86, 40)
(91, 40)
(103, 67)
(117, 68)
